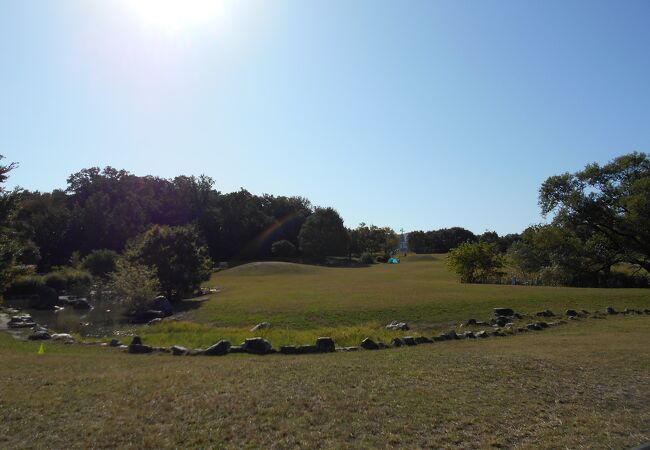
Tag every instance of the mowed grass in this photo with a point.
(304, 302)
(420, 290)
(582, 385)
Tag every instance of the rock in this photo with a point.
(574, 318)
(154, 321)
(542, 324)
(163, 305)
(409, 340)
(452, 334)
(470, 322)
(423, 340)
(397, 342)
(39, 335)
(288, 350)
(571, 313)
(469, 335)
(257, 346)
(397, 326)
(123, 347)
(219, 349)
(177, 350)
(148, 316)
(261, 326)
(237, 349)
(136, 340)
(381, 345)
(502, 321)
(369, 344)
(350, 349)
(585, 312)
(80, 303)
(140, 349)
(545, 313)
(498, 333)
(62, 337)
(306, 349)
(325, 344)
(114, 343)
(508, 312)
(21, 321)
(482, 334)
(533, 327)
(611, 310)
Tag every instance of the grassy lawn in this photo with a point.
(304, 302)
(583, 385)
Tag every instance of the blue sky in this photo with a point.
(410, 114)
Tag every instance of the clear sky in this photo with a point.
(410, 114)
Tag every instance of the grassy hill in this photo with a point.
(303, 302)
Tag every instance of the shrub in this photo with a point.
(283, 248)
(367, 258)
(135, 285)
(69, 280)
(100, 262)
(40, 295)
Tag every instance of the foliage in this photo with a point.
(70, 280)
(372, 239)
(100, 263)
(475, 262)
(33, 286)
(323, 234)
(8, 243)
(283, 248)
(367, 258)
(439, 241)
(134, 284)
(178, 256)
(610, 201)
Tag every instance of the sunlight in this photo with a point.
(175, 15)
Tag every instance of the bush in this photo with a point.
(34, 287)
(367, 258)
(283, 248)
(135, 285)
(66, 279)
(100, 262)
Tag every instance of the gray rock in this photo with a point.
(325, 344)
(501, 321)
(257, 346)
(571, 313)
(545, 313)
(219, 349)
(482, 334)
(350, 349)
(533, 327)
(469, 335)
(611, 310)
(508, 312)
(39, 335)
(237, 349)
(140, 349)
(470, 322)
(114, 343)
(306, 349)
(409, 340)
(80, 303)
(288, 350)
(163, 305)
(261, 326)
(369, 344)
(136, 340)
(542, 324)
(397, 326)
(397, 342)
(177, 350)
(423, 340)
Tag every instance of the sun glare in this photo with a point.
(174, 15)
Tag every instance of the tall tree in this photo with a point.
(323, 234)
(612, 200)
(8, 244)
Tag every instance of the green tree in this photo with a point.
(177, 254)
(8, 245)
(283, 248)
(323, 234)
(612, 201)
(100, 263)
(475, 262)
(135, 285)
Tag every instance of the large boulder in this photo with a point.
(39, 335)
(257, 346)
(162, 304)
(306, 349)
(64, 337)
(136, 340)
(397, 342)
(325, 344)
(219, 349)
(288, 350)
(140, 349)
(502, 321)
(369, 344)
(508, 312)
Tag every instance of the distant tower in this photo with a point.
(403, 241)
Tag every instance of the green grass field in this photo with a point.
(581, 385)
(303, 302)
